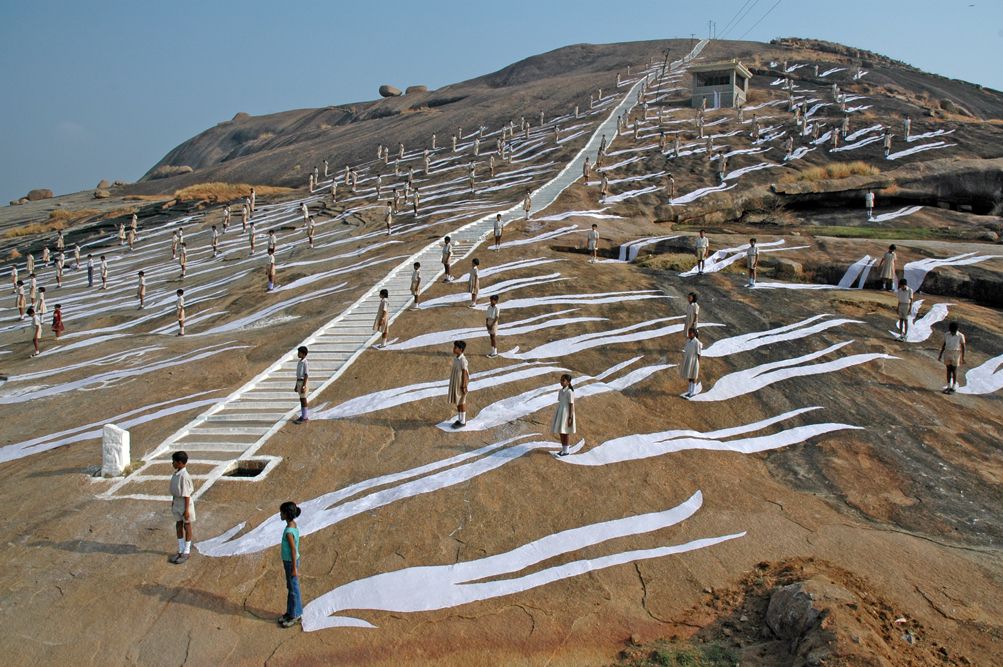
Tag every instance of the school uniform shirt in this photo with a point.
(491, 316)
(181, 488)
(751, 256)
(302, 376)
(702, 244)
(271, 242)
(415, 281)
(40, 307)
(447, 253)
(20, 300)
(382, 316)
(692, 316)
(952, 348)
(473, 282)
(593, 239)
(181, 307)
(271, 264)
(456, 395)
(565, 405)
(498, 227)
(905, 298)
(36, 322)
(869, 200)
(690, 368)
(183, 257)
(142, 285)
(888, 266)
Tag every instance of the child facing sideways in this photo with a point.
(491, 321)
(382, 322)
(416, 284)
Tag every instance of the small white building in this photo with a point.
(721, 84)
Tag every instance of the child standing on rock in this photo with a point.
(302, 387)
(888, 267)
(952, 352)
(491, 321)
(692, 312)
(752, 261)
(564, 423)
(416, 284)
(474, 282)
(702, 245)
(690, 368)
(459, 378)
(447, 258)
(181, 312)
(382, 323)
(36, 327)
(290, 562)
(906, 297)
(57, 321)
(593, 243)
(182, 506)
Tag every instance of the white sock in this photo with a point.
(182, 331)
(462, 417)
(564, 449)
(494, 350)
(188, 547)
(181, 545)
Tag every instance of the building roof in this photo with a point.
(724, 66)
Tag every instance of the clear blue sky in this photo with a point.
(104, 89)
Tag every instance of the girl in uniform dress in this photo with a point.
(564, 418)
(382, 322)
(459, 377)
(57, 321)
(474, 282)
(692, 312)
(690, 368)
(888, 267)
(19, 301)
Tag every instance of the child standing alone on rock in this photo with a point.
(952, 352)
(290, 563)
(564, 423)
(182, 506)
(302, 388)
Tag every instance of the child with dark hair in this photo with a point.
(474, 281)
(416, 284)
(181, 312)
(702, 246)
(564, 418)
(491, 321)
(459, 379)
(142, 290)
(270, 270)
(447, 259)
(57, 321)
(906, 297)
(690, 368)
(182, 506)
(692, 312)
(20, 302)
(952, 352)
(290, 562)
(302, 383)
(36, 327)
(752, 261)
(888, 267)
(382, 323)
(593, 243)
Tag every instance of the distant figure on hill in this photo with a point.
(270, 270)
(527, 204)
(104, 271)
(498, 231)
(388, 217)
(888, 143)
(141, 292)
(474, 281)
(491, 322)
(416, 284)
(869, 205)
(183, 258)
(592, 243)
(36, 328)
(447, 258)
(382, 322)
(310, 227)
(690, 367)
(180, 309)
(182, 506)
(908, 128)
(563, 423)
(702, 246)
(752, 261)
(905, 295)
(603, 188)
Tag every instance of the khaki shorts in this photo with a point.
(952, 358)
(301, 387)
(701, 254)
(903, 310)
(178, 510)
(750, 262)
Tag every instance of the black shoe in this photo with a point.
(290, 622)
(458, 424)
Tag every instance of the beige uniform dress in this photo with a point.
(905, 298)
(702, 244)
(456, 395)
(181, 488)
(690, 368)
(382, 316)
(888, 266)
(751, 256)
(473, 282)
(492, 316)
(952, 348)
(181, 308)
(415, 282)
(565, 405)
(692, 316)
(593, 239)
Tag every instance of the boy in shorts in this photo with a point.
(302, 383)
(182, 506)
(953, 354)
(906, 297)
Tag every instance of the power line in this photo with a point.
(741, 19)
(724, 31)
(760, 20)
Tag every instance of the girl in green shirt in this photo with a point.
(290, 561)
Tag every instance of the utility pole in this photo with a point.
(709, 24)
(665, 67)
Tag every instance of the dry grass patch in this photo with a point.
(225, 191)
(146, 198)
(58, 219)
(128, 210)
(833, 170)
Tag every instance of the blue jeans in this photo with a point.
(294, 605)
(90, 276)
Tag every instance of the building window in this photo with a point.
(714, 79)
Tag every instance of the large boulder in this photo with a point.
(103, 184)
(416, 89)
(389, 91)
(788, 267)
(40, 193)
(241, 116)
(101, 194)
